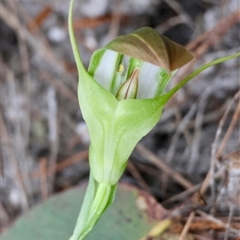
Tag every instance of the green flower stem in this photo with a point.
(81, 69)
(97, 198)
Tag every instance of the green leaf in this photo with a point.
(55, 218)
(149, 46)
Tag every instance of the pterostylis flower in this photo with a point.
(126, 95)
(121, 98)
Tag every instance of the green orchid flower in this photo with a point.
(122, 96)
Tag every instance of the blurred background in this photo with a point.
(44, 140)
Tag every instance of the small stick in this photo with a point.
(53, 134)
(232, 125)
(115, 23)
(5, 217)
(157, 161)
(133, 170)
(181, 126)
(37, 41)
(215, 143)
(64, 164)
(71, 160)
(182, 195)
(43, 178)
(171, 22)
(198, 237)
(182, 17)
(187, 226)
(217, 221)
(229, 221)
(211, 37)
(150, 170)
(39, 18)
(23, 51)
(173, 145)
(217, 31)
(197, 131)
(60, 86)
(8, 147)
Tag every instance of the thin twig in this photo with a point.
(53, 134)
(215, 144)
(181, 126)
(71, 160)
(182, 17)
(158, 162)
(18, 138)
(5, 217)
(213, 116)
(217, 221)
(173, 145)
(197, 131)
(60, 86)
(133, 170)
(115, 23)
(215, 34)
(172, 22)
(7, 147)
(37, 41)
(43, 178)
(38, 20)
(235, 120)
(183, 195)
(201, 44)
(198, 237)
(26, 76)
(229, 221)
(187, 226)
(68, 162)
